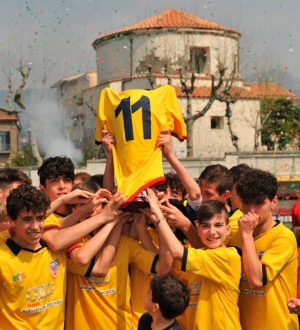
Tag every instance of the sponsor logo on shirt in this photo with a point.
(99, 280)
(252, 292)
(42, 308)
(40, 292)
(18, 277)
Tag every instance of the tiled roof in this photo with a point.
(254, 91)
(10, 118)
(269, 90)
(171, 18)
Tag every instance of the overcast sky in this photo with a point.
(56, 36)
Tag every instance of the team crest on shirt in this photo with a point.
(18, 277)
(54, 264)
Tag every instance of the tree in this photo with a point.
(221, 90)
(24, 157)
(18, 98)
(281, 129)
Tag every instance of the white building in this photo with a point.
(152, 52)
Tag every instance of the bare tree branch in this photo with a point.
(18, 98)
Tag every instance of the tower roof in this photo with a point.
(171, 18)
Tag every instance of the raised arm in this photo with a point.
(76, 196)
(184, 175)
(60, 239)
(166, 251)
(105, 256)
(108, 179)
(176, 219)
(251, 263)
(140, 224)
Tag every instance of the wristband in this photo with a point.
(162, 218)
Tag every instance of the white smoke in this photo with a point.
(49, 124)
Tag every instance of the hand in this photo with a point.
(103, 193)
(91, 205)
(248, 223)
(77, 196)
(153, 202)
(164, 140)
(112, 209)
(108, 141)
(174, 216)
(293, 305)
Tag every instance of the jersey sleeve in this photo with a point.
(176, 122)
(285, 247)
(101, 116)
(218, 265)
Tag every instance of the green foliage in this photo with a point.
(280, 120)
(24, 157)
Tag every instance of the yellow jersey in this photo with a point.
(265, 308)
(136, 118)
(104, 302)
(217, 286)
(32, 288)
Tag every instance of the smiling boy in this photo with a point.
(219, 267)
(32, 277)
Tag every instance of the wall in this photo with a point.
(286, 166)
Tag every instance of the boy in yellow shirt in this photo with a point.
(32, 277)
(269, 256)
(219, 267)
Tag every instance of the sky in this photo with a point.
(55, 37)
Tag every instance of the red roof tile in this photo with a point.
(255, 91)
(270, 90)
(8, 118)
(171, 18)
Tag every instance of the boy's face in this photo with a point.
(173, 194)
(28, 229)
(57, 186)
(263, 210)
(213, 232)
(4, 193)
(209, 192)
(235, 198)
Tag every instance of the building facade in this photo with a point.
(171, 48)
(9, 135)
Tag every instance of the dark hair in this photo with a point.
(171, 294)
(10, 175)
(56, 166)
(219, 174)
(97, 178)
(173, 181)
(256, 185)
(237, 171)
(28, 198)
(209, 209)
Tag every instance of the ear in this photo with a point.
(228, 229)
(42, 187)
(274, 203)
(226, 194)
(1, 194)
(155, 308)
(12, 223)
